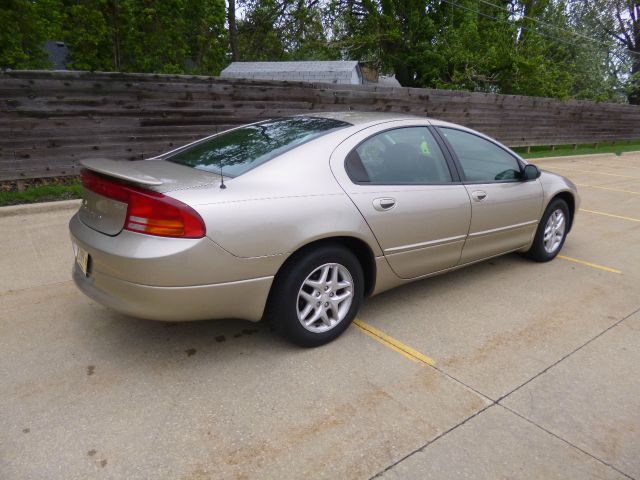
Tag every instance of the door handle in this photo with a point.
(382, 204)
(479, 195)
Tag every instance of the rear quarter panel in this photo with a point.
(280, 206)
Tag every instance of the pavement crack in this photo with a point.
(578, 348)
(477, 392)
(497, 402)
(435, 439)
(555, 435)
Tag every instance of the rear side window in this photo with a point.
(247, 147)
(403, 156)
(482, 160)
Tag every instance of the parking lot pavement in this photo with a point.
(534, 370)
(35, 249)
(593, 398)
(499, 444)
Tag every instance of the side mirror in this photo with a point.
(531, 172)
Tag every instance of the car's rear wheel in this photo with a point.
(551, 233)
(316, 295)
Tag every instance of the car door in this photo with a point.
(505, 210)
(408, 191)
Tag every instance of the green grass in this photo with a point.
(565, 150)
(41, 193)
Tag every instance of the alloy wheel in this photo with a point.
(325, 297)
(554, 231)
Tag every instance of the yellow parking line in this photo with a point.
(577, 170)
(592, 265)
(631, 219)
(392, 343)
(609, 188)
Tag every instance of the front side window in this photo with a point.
(482, 160)
(407, 155)
(239, 150)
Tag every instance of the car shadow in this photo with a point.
(131, 340)
(437, 285)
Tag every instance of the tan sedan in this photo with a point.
(297, 219)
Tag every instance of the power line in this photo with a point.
(555, 38)
(550, 25)
(486, 15)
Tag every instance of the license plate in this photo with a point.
(82, 259)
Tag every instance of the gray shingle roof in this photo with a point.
(324, 72)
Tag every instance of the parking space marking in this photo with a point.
(609, 188)
(631, 219)
(592, 265)
(578, 170)
(392, 343)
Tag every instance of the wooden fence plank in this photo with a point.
(49, 121)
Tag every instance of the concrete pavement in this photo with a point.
(535, 369)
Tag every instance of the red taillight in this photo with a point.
(148, 212)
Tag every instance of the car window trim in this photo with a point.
(458, 164)
(453, 171)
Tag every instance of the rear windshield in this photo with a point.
(244, 148)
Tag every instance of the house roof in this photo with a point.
(311, 71)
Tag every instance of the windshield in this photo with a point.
(244, 148)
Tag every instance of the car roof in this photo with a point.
(359, 118)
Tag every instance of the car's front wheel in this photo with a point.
(316, 295)
(552, 232)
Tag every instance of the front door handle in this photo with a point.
(383, 204)
(479, 195)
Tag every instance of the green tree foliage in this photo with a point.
(22, 34)
(620, 21)
(87, 30)
(283, 30)
(475, 49)
(530, 47)
(395, 35)
(165, 36)
(555, 48)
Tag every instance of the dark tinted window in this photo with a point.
(401, 156)
(239, 150)
(482, 161)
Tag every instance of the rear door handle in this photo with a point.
(382, 204)
(479, 195)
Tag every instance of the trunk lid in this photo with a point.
(157, 175)
(108, 215)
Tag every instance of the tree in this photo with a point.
(233, 30)
(474, 48)
(22, 36)
(164, 36)
(619, 20)
(206, 36)
(397, 36)
(88, 30)
(625, 28)
(283, 30)
(557, 48)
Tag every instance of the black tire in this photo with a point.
(282, 309)
(537, 252)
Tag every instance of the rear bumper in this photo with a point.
(171, 279)
(243, 299)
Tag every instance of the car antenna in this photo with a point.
(222, 185)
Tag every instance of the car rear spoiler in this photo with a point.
(121, 169)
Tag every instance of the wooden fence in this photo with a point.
(49, 121)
